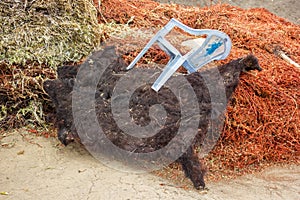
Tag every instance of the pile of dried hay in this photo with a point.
(35, 38)
(49, 32)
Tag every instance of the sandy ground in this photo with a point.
(288, 9)
(41, 168)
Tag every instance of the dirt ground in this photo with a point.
(288, 9)
(41, 168)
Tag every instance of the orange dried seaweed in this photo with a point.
(262, 124)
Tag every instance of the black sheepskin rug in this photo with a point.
(212, 89)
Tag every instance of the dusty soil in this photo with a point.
(41, 168)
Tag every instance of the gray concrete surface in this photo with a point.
(288, 9)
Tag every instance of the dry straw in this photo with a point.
(37, 36)
(49, 32)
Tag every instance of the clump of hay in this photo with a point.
(49, 32)
(35, 38)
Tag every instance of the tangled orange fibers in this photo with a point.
(263, 118)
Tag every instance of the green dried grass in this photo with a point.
(48, 32)
(37, 36)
